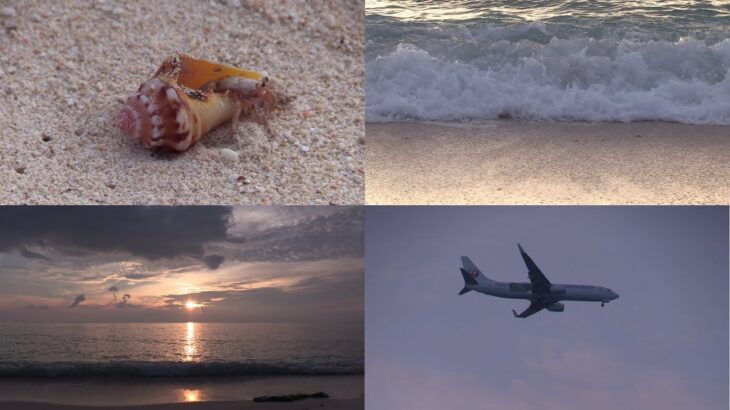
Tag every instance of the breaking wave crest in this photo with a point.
(488, 75)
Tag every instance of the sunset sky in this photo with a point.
(157, 264)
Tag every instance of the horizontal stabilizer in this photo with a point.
(464, 290)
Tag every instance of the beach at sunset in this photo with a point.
(346, 392)
(172, 306)
(233, 405)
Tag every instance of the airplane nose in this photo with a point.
(614, 295)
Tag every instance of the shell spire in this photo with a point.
(188, 97)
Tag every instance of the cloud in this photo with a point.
(125, 301)
(139, 276)
(27, 253)
(77, 301)
(156, 251)
(337, 296)
(331, 235)
(395, 383)
(148, 232)
(213, 261)
(114, 291)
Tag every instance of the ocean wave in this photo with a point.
(562, 79)
(169, 369)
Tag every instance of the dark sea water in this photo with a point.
(602, 60)
(179, 350)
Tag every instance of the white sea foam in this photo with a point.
(573, 79)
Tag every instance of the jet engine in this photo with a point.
(557, 289)
(556, 307)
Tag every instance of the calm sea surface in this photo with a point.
(179, 349)
(590, 60)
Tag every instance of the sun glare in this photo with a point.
(191, 304)
(190, 394)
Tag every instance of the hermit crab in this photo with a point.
(188, 97)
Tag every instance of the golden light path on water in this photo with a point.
(191, 350)
(191, 347)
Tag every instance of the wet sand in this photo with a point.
(514, 162)
(66, 67)
(345, 391)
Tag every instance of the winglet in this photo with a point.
(515, 313)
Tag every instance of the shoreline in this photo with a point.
(333, 404)
(143, 393)
(506, 162)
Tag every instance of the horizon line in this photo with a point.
(181, 321)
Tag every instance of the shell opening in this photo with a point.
(126, 121)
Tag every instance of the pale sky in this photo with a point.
(145, 264)
(662, 344)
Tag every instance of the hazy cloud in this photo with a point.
(334, 235)
(77, 300)
(125, 301)
(213, 261)
(27, 253)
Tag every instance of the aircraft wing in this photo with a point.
(539, 282)
(531, 310)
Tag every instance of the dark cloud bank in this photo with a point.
(149, 232)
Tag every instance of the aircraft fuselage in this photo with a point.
(520, 290)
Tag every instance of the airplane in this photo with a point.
(540, 292)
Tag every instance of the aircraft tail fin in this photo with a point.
(468, 280)
(471, 271)
(471, 274)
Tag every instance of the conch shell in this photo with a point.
(188, 97)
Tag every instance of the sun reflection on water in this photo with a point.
(191, 347)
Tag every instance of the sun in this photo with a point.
(191, 304)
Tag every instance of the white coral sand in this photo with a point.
(67, 67)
